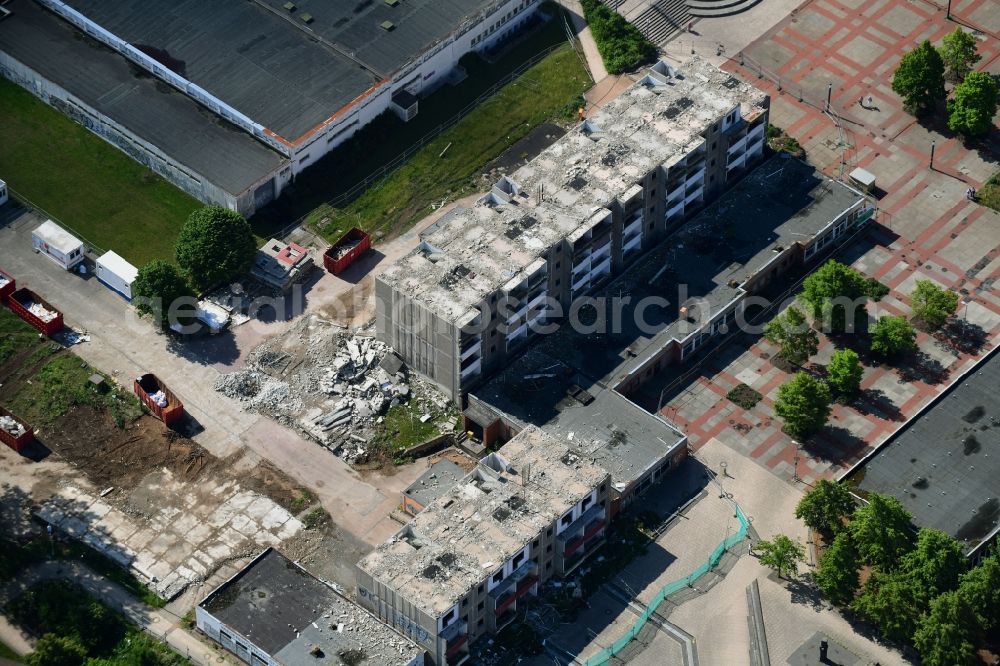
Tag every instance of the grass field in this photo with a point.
(91, 187)
(541, 93)
(61, 384)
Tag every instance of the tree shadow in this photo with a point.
(875, 402)
(962, 336)
(921, 366)
(803, 592)
(208, 349)
(836, 445)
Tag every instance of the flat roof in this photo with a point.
(54, 235)
(598, 424)
(944, 465)
(471, 253)
(465, 535)
(436, 481)
(107, 82)
(285, 611)
(117, 265)
(268, 63)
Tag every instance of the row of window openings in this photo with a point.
(503, 19)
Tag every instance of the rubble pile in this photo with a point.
(160, 398)
(40, 311)
(332, 385)
(4, 281)
(342, 249)
(11, 426)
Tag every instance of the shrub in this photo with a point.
(622, 46)
(744, 396)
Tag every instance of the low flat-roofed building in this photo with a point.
(280, 265)
(436, 481)
(156, 126)
(582, 381)
(532, 510)
(274, 613)
(58, 244)
(943, 465)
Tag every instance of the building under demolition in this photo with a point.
(298, 78)
(482, 279)
(532, 510)
(274, 613)
(642, 233)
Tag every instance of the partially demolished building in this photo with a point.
(482, 279)
(530, 511)
(274, 613)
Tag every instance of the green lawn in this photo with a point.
(387, 137)
(540, 94)
(61, 384)
(91, 187)
(15, 335)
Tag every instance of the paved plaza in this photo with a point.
(926, 229)
(174, 546)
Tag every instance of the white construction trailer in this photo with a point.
(116, 273)
(57, 244)
(3, 190)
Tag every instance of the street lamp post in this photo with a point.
(795, 469)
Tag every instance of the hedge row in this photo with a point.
(622, 46)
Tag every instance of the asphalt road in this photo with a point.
(125, 346)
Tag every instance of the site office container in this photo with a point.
(17, 443)
(20, 300)
(7, 285)
(336, 258)
(145, 386)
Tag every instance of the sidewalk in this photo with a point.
(159, 623)
(594, 61)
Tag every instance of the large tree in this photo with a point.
(881, 531)
(215, 246)
(973, 105)
(844, 372)
(932, 304)
(825, 507)
(804, 404)
(52, 650)
(945, 635)
(935, 563)
(892, 602)
(893, 336)
(781, 554)
(836, 294)
(958, 52)
(919, 79)
(161, 291)
(980, 586)
(837, 575)
(790, 330)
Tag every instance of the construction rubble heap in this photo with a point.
(41, 312)
(325, 382)
(11, 426)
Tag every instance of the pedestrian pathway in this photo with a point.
(925, 229)
(159, 623)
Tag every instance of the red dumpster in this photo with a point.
(345, 251)
(14, 432)
(7, 285)
(33, 309)
(158, 398)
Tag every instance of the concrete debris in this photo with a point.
(330, 384)
(41, 312)
(4, 281)
(11, 427)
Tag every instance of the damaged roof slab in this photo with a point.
(472, 252)
(465, 535)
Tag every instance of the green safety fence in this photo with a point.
(602, 657)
